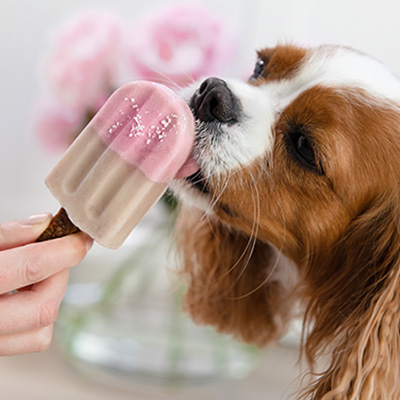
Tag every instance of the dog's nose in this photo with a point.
(214, 101)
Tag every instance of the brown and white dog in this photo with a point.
(297, 205)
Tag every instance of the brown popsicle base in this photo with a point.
(59, 226)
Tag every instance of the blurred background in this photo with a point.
(26, 29)
(32, 89)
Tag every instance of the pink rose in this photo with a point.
(84, 62)
(180, 44)
(55, 124)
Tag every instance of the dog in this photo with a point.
(295, 209)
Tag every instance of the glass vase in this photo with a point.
(122, 318)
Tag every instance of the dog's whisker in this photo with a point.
(188, 75)
(215, 199)
(221, 192)
(279, 251)
(256, 220)
(162, 78)
(252, 239)
(250, 245)
(249, 248)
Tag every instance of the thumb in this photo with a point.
(18, 233)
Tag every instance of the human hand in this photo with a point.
(39, 271)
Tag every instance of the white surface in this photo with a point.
(48, 376)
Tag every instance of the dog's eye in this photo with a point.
(303, 150)
(258, 69)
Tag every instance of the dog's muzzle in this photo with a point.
(213, 104)
(213, 101)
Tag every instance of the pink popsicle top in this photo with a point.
(150, 127)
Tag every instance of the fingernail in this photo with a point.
(88, 240)
(36, 219)
(89, 243)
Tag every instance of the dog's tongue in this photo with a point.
(190, 167)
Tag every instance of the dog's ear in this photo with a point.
(231, 281)
(355, 306)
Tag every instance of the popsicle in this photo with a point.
(121, 163)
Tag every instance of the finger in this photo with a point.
(22, 266)
(33, 309)
(18, 233)
(27, 342)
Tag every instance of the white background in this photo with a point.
(25, 27)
